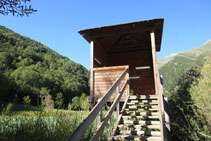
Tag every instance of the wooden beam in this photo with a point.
(92, 69)
(109, 68)
(153, 45)
(158, 90)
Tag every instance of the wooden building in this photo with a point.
(115, 47)
(123, 69)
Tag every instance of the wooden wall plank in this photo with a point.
(104, 79)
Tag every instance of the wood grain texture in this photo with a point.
(104, 77)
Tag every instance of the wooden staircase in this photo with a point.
(141, 117)
(139, 120)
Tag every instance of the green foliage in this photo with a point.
(27, 67)
(188, 89)
(83, 102)
(59, 100)
(16, 7)
(200, 92)
(69, 107)
(42, 126)
(76, 103)
(7, 110)
(49, 103)
(184, 120)
(26, 100)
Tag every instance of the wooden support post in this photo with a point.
(99, 116)
(153, 45)
(92, 70)
(117, 107)
(157, 82)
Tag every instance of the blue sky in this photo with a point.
(187, 23)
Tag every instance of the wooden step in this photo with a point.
(142, 107)
(140, 133)
(137, 113)
(139, 126)
(143, 101)
(141, 122)
(142, 104)
(140, 117)
(143, 97)
(136, 138)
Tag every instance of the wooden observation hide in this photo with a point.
(123, 62)
(113, 48)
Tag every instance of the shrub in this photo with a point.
(59, 100)
(49, 103)
(76, 103)
(83, 102)
(7, 110)
(26, 100)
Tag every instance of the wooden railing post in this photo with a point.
(117, 106)
(128, 86)
(99, 116)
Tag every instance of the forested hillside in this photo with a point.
(187, 84)
(173, 68)
(27, 67)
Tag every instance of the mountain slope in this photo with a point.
(176, 66)
(163, 61)
(28, 66)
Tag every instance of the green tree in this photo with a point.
(28, 66)
(26, 100)
(185, 121)
(200, 92)
(44, 92)
(16, 7)
(59, 100)
(76, 103)
(83, 102)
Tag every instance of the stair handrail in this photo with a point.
(84, 125)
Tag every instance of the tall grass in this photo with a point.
(40, 125)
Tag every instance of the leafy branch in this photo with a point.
(16, 7)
